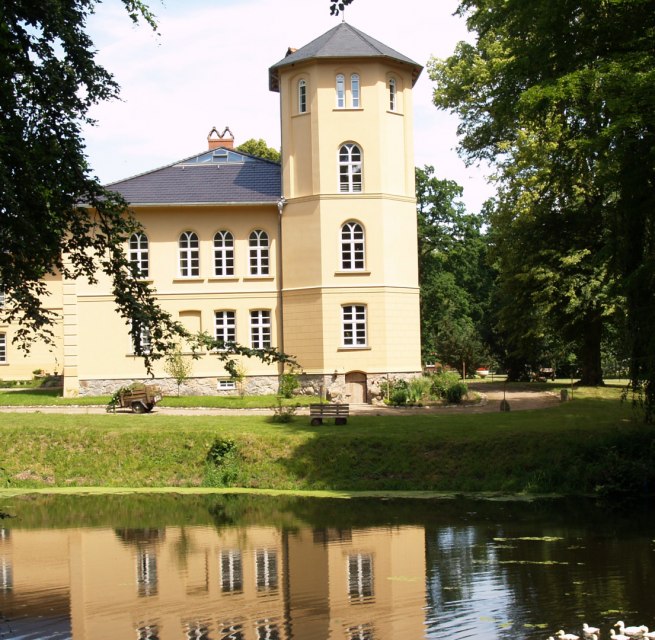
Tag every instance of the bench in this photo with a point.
(337, 411)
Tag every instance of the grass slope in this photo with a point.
(594, 443)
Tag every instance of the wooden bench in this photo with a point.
(337, 411)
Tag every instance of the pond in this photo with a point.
(244, 567)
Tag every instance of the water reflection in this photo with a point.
(219, 568)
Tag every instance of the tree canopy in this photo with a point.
(260, 149)
(560, 96)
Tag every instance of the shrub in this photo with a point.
(441, 382)
(418, 390)
(283, 413)
(456, 392)
(396, 392)
(221, 464)
(289, 383)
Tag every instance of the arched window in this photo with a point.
(341, 91)
(223, 254)
(350, 168)
(352, 247)
(139, 253)
(392, 95)
(353, 318)
(302, 96)
(354, 90)
(189, 255)
(258, 242)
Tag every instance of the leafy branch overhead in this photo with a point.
(337, 6)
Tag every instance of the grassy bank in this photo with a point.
(594, 443)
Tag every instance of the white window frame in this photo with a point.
(354, 325)
(353, 247)
(350, 168)
(3, 348)
(140, 253)
(146, 572)
(189, 255)
(302, 96)
(226, 385)
(393, 95)
(223, 254)
(225, 327)
(231, 571)
(361, 585)
(260, 328)
(355, 96)
(259, 253)
(144, 340)
(341, 91)
(266, 570)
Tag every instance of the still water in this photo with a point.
(252, 567)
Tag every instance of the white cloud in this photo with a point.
(209, 67)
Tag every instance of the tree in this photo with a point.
(260, 149)
(337, 6)
(178, 367)
(453, 274)
(55, 216)
(559, 95)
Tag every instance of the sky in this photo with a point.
(208, 66)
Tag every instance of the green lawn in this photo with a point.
(593, 444)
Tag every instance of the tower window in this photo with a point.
(341, 91)
(354, 325)
(350, 168)
(302, 96)
(352, 247)
(393, 105)
(354, 90)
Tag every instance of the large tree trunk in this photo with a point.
(590, 364)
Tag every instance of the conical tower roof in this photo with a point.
(344, 41)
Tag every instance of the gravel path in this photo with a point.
(492, 395)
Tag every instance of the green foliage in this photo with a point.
(441, 382)
(558, 96)
(456, 392)
(289, 383)
(221, 469)
(418, 390)
(178, 366)
(260, 149)
(283, 414)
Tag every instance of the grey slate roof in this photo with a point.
(343, 41)
(219, 176)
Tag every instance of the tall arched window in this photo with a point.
(223, 254)
(354, 90)
(189, 255)
(392, 95)
(259, 258)
(350, 168)
(302, 96)
(352, 247)
(341, 91)
(139, 253)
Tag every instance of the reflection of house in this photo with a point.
(317, 257)
(238, 583)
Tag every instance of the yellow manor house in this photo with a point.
(316, 256)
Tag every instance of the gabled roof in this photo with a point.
(218, 176)
(344, 41)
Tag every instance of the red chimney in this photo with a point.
(216, 139)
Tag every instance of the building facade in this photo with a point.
(316, 256)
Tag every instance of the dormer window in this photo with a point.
(220, 155)
(341, 91)
(302, 96)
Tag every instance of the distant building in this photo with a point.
(317, 257)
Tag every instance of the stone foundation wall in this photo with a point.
(331, 387)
